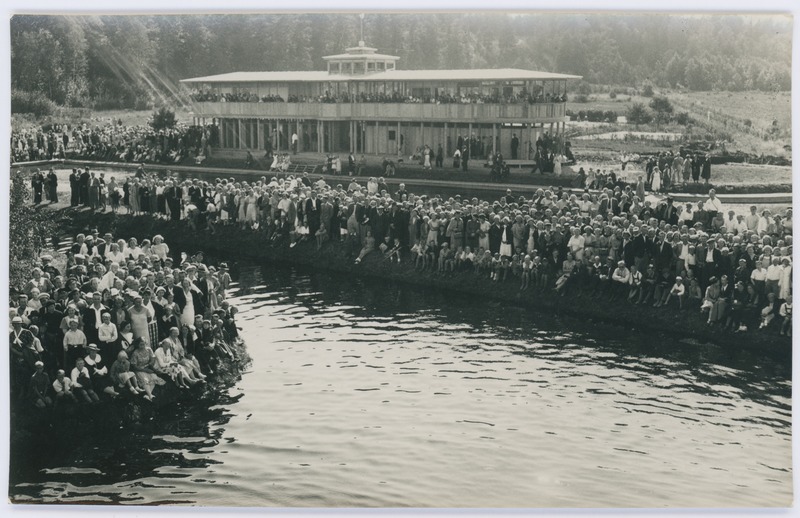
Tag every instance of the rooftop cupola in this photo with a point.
(360, 60)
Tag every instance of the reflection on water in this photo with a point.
(363, 393)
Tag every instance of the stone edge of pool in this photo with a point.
(235, 243)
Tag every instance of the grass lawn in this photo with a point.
(716, 113)
(73, 116)
(606, 103)
(761, 108)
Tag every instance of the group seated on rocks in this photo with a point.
(121, 318)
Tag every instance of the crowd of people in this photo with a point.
(610, 242)
(120, 318)
(667, 169)
(382, 97)
(113, 142)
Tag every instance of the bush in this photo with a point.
(163, 118)
(29, 230)
(580, 98)
(638, 114)
(647, 91)
(31, 102)
(683, 118)
(661, 105)
(748, 123)
(584, 88)
(612, 95)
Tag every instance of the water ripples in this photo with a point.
(367, 394)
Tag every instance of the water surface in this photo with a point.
(365, 393)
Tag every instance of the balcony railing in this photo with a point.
(540, 112)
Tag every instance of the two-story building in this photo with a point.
(364, 104)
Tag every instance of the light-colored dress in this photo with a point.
(251, 215)
(785, 283)
(133, 198)
(483, 237)
(139, 324)
(433, 231)
(141, 358)
(656, 182)
(187, 315)
(166, 363)
(242, 208)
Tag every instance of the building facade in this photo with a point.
(363, 103)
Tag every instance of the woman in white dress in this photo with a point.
(132, 251)
(372, 185)
(159, 247)
(187, 315)
(557, 165)
(655, 184)
(483, 233)
(785, 280)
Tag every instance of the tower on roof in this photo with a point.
(360, 60)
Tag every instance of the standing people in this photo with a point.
(74, 188)
(706, 172)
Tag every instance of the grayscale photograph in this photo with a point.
(475, 259)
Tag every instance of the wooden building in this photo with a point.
(363, 103)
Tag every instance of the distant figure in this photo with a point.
(706, 171)
(514, 146)
(295, 141)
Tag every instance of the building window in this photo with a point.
(392, 134)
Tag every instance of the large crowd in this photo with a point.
(118, 319)
(380, 97)
(611, 243)
(113, 142)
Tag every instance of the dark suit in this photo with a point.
(629, 249)
(495, 234)
(663, 256)
(197, 298)
(312, 212)
(90, 323)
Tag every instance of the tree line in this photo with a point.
(106, 62)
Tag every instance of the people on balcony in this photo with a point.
(382, 97)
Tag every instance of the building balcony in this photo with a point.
(416, 112)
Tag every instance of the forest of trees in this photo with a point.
(136, 62)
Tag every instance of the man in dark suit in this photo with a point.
(83, 182)
(380, 224)
(669, 214)
(663, 253)
(326, 214)
(629, 249)
(495, 235)
(514, 146)
(92, 317)
(710, 260)
(74, 188)
(312, 210)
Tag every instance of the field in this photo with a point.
(606, 103)
(761, 108)
(758, 123)
(74, 116)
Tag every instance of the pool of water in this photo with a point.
(365, 393)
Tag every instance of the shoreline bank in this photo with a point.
(446, 180)
(246, 244)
